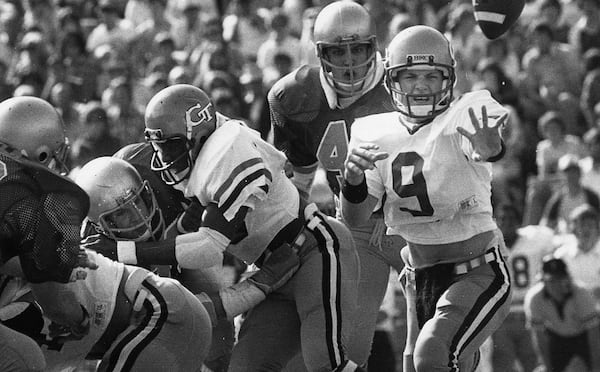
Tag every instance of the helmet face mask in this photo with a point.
(122, 205)
(417, 56)
(132, 218)
(346, 45)
(178, 119)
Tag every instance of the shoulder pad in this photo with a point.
(50, 182)
(298, 96)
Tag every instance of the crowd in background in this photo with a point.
(100, 61)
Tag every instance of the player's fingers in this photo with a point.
(368, 146)
(474, 119)
(500, 121)
(484, 116)
(464, 132)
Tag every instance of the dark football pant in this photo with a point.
(312, 312)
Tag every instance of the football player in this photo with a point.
(527, 246)
(181, 215)
(312, 110)
(41, 217)
(251, 210)
(431, 162)
(170, 329)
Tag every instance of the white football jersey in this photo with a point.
(525, 260)
(97, 293)
(235, 169)
(434, 192)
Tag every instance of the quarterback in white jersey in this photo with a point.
(428, 166)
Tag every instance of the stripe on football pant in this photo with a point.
(484, 309)
(124, 355)
(329, 246)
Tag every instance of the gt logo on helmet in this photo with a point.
(197, 115)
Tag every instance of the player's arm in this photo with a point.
(201, 249)
(275, 271)
(49, 252)
(357, 203)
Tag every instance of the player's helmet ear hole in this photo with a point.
(43, 156)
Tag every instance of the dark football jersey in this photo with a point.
(170, 201)
(308, 130)
(41, 219)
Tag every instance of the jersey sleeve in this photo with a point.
(241, 179)
(48, 230)
(294, 102)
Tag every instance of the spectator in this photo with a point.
(41, 14)
(503, 53)
(179, 75)
(61, 97)
(152, 36)
(590, 91)
(187, 32)
(6, 87)
(127, 123)
(79, 67)
(585, 34)
(548, 61)
(96, 139)
(279, 41)
(112, 30)
(582, 254)
(213, 42)
(562, 320)
(550, 11)
(307, 45)
(468, 43)
(245, 28)
(572, 195)
(590, 166)
(555, 143)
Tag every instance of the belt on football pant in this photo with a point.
(466, 266)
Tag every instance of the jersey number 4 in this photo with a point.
(332, 152)
(414, 187)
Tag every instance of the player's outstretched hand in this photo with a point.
(486, 140)
(359, 160)
(101, 244)
(277, 269)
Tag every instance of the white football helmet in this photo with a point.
(122, 204)
(345, 24)
(420, 47)
(178, 119)
(33, 127)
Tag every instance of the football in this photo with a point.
(495, 17)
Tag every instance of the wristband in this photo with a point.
(126, 252)
(500, 155)
(355, 194)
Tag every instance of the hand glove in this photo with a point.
(191, 218)
(277, 269)
(101, 244)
